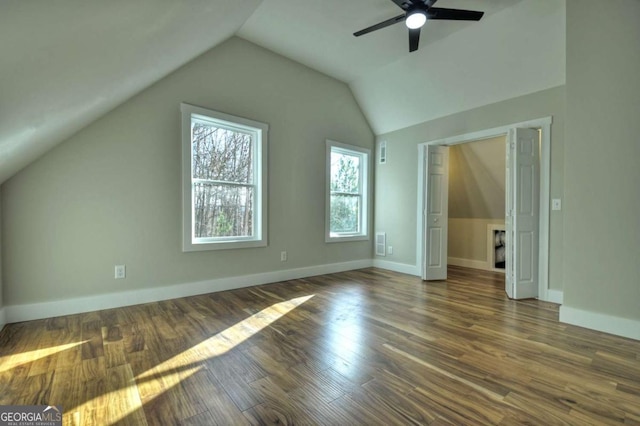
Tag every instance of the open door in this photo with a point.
(522, 213)
(436, 212)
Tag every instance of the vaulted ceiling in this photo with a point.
(64, 63)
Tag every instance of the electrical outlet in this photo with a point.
(283, 256)
(389, 250)
(121, 272)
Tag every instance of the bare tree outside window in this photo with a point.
(223, 181)
(346, 196)
(346, 216)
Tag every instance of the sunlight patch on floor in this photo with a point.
(12, 361)
(183, 365)
(226, 340)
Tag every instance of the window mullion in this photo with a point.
(345, 193)
(221, 182)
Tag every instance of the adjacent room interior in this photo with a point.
(190, 196)
(477, 204)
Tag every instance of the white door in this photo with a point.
(522, 213)
(436, 212)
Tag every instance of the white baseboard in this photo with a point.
(403, 268)
(34, 311)
(602, 322)
(469, 263)
(555, 296)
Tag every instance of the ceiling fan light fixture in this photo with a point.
(416, 19)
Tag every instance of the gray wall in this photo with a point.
(467, 240)
(1, 286)
(111, 193)
(397, 181)
(602, 234)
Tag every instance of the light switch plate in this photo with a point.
(556, 204)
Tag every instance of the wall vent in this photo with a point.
(381, 243)
(382, 152)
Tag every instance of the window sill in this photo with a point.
(346, 238)
(222, 245)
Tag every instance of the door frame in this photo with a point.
(542, 124)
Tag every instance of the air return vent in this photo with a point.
(382, 152)
(381, 243)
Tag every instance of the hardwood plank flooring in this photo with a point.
(360, 347)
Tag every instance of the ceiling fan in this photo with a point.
(416, 13)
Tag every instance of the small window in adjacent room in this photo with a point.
(347, 200)
(224, 180)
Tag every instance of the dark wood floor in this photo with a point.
(362, 347)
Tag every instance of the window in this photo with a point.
(347, 193)
(224, 174)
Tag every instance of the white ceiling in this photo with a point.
(319, 34)
(516, 51)
(64, 63)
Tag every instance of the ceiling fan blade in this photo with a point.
(380, 25)
(414, 39)
(454, 14)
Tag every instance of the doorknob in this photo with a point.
(435, 220)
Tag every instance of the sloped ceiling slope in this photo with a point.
(477, 179)
(64, 63)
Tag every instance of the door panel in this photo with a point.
(525, 252)
(527, 176)
(435, 243)
(436, 212)
(435, 194)
(522, 213)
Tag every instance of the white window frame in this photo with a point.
(365, 166)
(259, 132)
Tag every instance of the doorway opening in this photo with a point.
(432, 245)
(476, 214)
